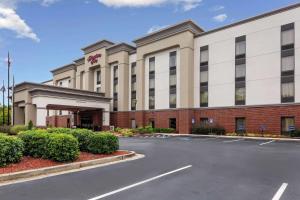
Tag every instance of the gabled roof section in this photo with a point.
(64, 68)
(120, 47)
(188, 25)
(98, 45)
(274, 12)
(79, 61)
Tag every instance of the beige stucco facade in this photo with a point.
(161, 72)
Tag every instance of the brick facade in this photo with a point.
(256, 117)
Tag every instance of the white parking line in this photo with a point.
(139, 183)
(229, 141)
(280, 191)
(267, 142)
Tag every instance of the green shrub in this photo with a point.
(62, 147)
(5, 129)
(164, 130)
(83, 137)
(126, 132)
(103, 143)
(35, 143)
(295, 133)
(145, 130)
(59, 130)
(205, 129)
(30, 125)
(14, 130)
(11, 150)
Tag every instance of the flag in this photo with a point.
(2, 89)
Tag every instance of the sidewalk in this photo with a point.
(230, 137)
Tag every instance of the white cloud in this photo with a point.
(48, 2)
(220, 18)
(156, 28)
(218, 8)
(10, 20)
(186, 5)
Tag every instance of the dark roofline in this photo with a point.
(168, 28)
(63, 67)
(96, 43)
(274, 12)
(46, 81)
(120, 47)
(38, 86)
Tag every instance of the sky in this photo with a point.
(45, 34)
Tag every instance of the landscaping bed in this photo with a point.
(30, 163)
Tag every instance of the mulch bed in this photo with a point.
(29, 163)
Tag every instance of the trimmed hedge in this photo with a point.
(206, 130)
(103, 143)
(11, 150)
(35, 143)
(59, 130)
(62, 147)
(14, 130)
(164, 130)
(83, 137)
(55, 146)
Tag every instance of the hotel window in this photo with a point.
(203, 121)
(240, 125)
(98, 89)
(152, 83)
(81, 80)
(172, 123)
(240, 70)
(287, 63)
(115, 88)
(173, 79)
(98, 77)
(204, 57)
(287, 124)
(133, 86)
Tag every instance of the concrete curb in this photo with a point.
(232, 137)
(63, 168)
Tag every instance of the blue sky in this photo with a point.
(44, 34)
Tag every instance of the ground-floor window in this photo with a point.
(240, 125)
(172, 123)
(133, 123)
(287, 124)
(203, 121)
(152, 123)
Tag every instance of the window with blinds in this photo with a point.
(240, 70)
(287, 63)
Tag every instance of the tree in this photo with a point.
(5, 115)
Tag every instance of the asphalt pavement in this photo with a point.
(180, 169)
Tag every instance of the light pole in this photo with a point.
(3, 104)
(8, 83)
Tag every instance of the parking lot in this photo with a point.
(180, 169)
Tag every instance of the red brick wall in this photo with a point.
(58, 121)
(269, 116)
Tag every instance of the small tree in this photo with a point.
(30, 125)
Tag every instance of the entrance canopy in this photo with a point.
(32, 102)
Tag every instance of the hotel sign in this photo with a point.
(94, 59)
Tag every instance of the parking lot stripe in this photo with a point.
(229, 141)
(267, 142)
(280, 191)
(139, 183)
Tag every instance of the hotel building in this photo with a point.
(243, 76)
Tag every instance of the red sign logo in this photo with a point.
(94, 59)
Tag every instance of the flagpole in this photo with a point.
(8, 74)
(3, 113)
